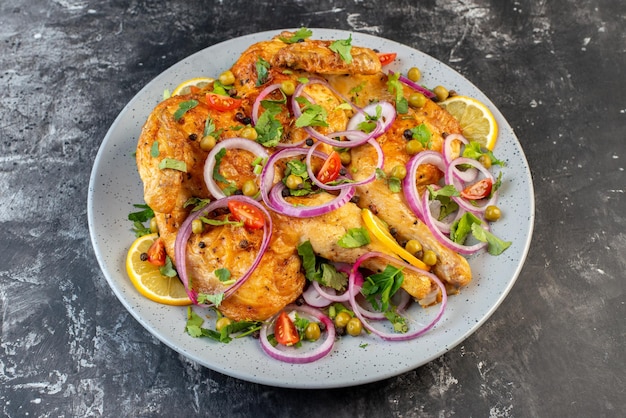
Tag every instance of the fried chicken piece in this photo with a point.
(326, 230)
(177, 140)
(392, 208)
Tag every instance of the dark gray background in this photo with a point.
(555, 69)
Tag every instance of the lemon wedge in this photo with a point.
(147, 278)
(382, 234)
(476, 120)
(185, 86)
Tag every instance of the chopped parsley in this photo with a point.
(230, 188)
(319, 270)
(223, 274)
(262, 71)
(422, 134)
(139, 217)
(312, 114)
(183, 108)
(301, 35)
(380, 287)
(173, 164)
(474, 150)
(268, 128)
(395, 86)
(193, 327)
(168, 269)
(197, 203)
(343, 48)
(469, 223)
(154, 149)
(354, 238)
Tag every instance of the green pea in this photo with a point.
(441, 92)
(342, 319)
(208, 142)
(288, 87)
(346, 158)
(429, 258)
(293, 181)
(249, 133)
(413, 246)
(154, 226)
(492, 213)
(197, 226)
(414, 146)
(398, 172)
(312, 331)
(485, 160)
(227, 78)
(354, 326)
(417, 100)
(414, 74)
(250, 188)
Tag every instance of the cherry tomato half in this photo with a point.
(478, 190)
(222, 103)
(251, 216)
(386, 58)
(156, 252)
(330, 169)
(285, 330)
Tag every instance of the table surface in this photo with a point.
(555, 347)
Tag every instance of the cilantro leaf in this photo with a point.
(495, 246)
(269, 129)
(312, 114)
(462, 228)
(301, 35)
(168, 269)
(398, 321)
(197, 203)
(422, 134)
(343, 48)
(380, 287)
(154, 149)
(474, 150)
(214, 299)
(448, 191)
(173, 164)
(209, 126)
(216, 170)
(316, 269)
(395, 86)
(223, 274)
(354, 238)
(262, 71)
(143, 215)
(183, 108)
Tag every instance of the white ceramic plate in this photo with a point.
(115, 186)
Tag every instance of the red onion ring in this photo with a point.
(279, 204)
(409, 183)
(394, 336)
(313, 297)
(257, 102)
(184, 232)
(299, 355)
(230, 143)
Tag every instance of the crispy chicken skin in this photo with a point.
(179, 140)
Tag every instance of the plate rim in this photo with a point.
(326, 34)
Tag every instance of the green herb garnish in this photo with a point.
(343, 48)
(354, 238)
(173, 164)
(183, 108)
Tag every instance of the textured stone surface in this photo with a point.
(555, 347)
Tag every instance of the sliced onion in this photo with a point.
(279, 204)
(230, 143)
(313, 297)
(387, 116)
(300, 355)
(395, 336)
(184, 232)
(447, 146)
(429, 220)
(415, 86)
(257, 103)
(409, 184)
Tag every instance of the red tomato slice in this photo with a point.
(478, 190)
(330, 169)
(285, 330)
(250, 215)
(386, 57)
(222, 103)
(156, 253)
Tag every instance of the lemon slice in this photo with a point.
(184, 87)
(477, 121)
(147, 278)
(382, 234)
